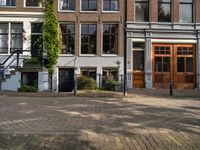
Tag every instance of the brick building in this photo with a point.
(163, 43)
(91, 31)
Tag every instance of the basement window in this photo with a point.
(30, 78)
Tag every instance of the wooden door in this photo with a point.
(174, 63)
(162, 65)
(138, 69)
(184, 66)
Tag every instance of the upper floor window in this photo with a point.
(110, 5)
(67, 5)
(186, 11)
(68, 38)
(14, 32)
(89, 5)
(34, 3)
(142, 10)
(88, 38)
(4, 3)
(164, 10)
(110, 39)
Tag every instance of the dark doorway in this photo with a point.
(66, 79)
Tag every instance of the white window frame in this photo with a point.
(9, 37)
(90, 55)
(5, 6)
(110, 11)
(33, 6)
(110, 55)
(60, 10)
(84, 11)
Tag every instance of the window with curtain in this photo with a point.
(164, 10)
(89, 5)
(110, 39)
(142, 10)
(67, 5)
(3, 38)
(34, 3)
(186, 11)
(68, 38)
(110, 5)
(88, 38)
(7, 3)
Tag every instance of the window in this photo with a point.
(30, 78)
(34, 3)
(15, 34)
(138, 56)
(110, 39)
(164, 10)
(67, 5)
(68, 38)
(89, 72)
(110, 73)
(110, 5)
(89, 5)
(4, 3)
(186, 11)
(88, 38)
(36, 33)
(142, 10)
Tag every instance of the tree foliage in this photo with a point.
(51, 38)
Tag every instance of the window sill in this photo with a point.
(8, 7)
(66, 11)
(34, 7)
(92, 12)
(109, 55)
(111, 12)
(87, 55)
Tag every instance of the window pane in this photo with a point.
(166, 64)
(189, 64)
(158, 64)
(36, 27)
(138, 60)
(110, 39)
(180, 64)
(164, 12)
(186, 13)
(7, 3)
(67, 5)
(32, 3)
(89, 5)
(114, 5)
(3, 38)
(142, 12)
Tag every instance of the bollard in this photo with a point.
(171, 88)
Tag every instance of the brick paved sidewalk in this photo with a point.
(137, 122)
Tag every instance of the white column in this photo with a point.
(129, 63)
(43, 83)
(148, 62)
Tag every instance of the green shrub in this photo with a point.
(31, 61)
(86, 83)
(110, 85)
(27, 88)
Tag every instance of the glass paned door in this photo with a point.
(162, 65)
(174, 63)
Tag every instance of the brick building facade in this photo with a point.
(163, 43)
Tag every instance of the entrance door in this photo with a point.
(138, 69)
(66, 79)
(174, 63)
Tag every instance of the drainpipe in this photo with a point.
(125, 50)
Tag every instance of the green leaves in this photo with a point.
(51, 38)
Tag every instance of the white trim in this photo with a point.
(138, 40)
(70, 11)
(87, 55)
(20, 13)
(172, 41)
(109, 55)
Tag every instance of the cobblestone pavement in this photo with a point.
(142, 121)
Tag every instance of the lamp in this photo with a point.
(24, 34)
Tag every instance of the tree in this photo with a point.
(51, 38)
